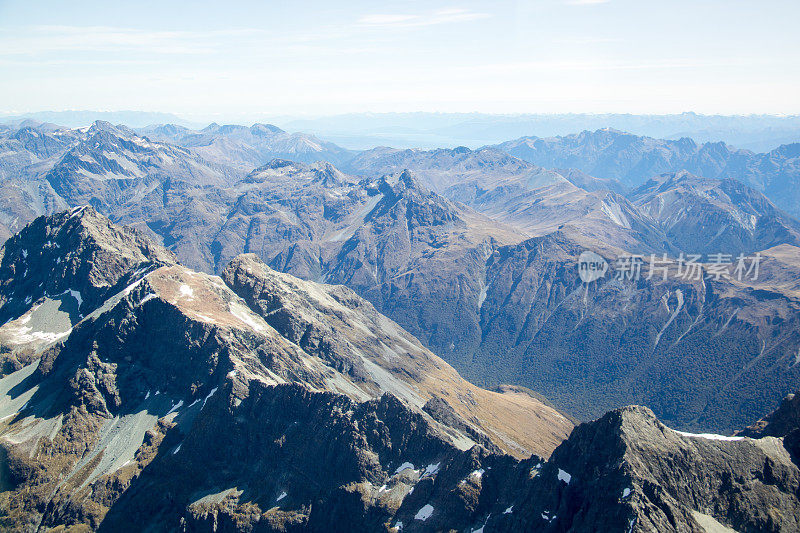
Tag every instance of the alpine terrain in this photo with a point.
(141, 395)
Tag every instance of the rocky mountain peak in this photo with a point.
(791, 150)
(78, 252)
(405, 197)
(320, 172)
(629, 462)
(103, 126)
(229, 129)
(328, 175)
(407, 181)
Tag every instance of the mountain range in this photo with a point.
(139, 394)
(244, 148)
(434, 130)
(474, 252)
(632, 159)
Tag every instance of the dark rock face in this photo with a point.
(779, 423)
(58, 270)
(628, 472)
(287, 456)
(77, 249)
(784, 422)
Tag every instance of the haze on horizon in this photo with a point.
(204, 59)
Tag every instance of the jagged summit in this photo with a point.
(407, 180)
(77, 249)
(321, 171)
(61, 268)
(109, 166)
(779, 423)
(107, 127)
(633, 159)
(629, 472)
(404, 197)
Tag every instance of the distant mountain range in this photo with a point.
(80, 119)
(759, 133)
(539, 201)
(359, 131)
(632, 159)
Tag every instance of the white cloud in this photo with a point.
(441, 16)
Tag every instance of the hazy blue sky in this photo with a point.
(238, 58)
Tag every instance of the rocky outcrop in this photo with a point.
(783, 423)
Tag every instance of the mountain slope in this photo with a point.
(629, 472)
(27, 152)
(112, 164)
(703, 215)
(702, 352)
